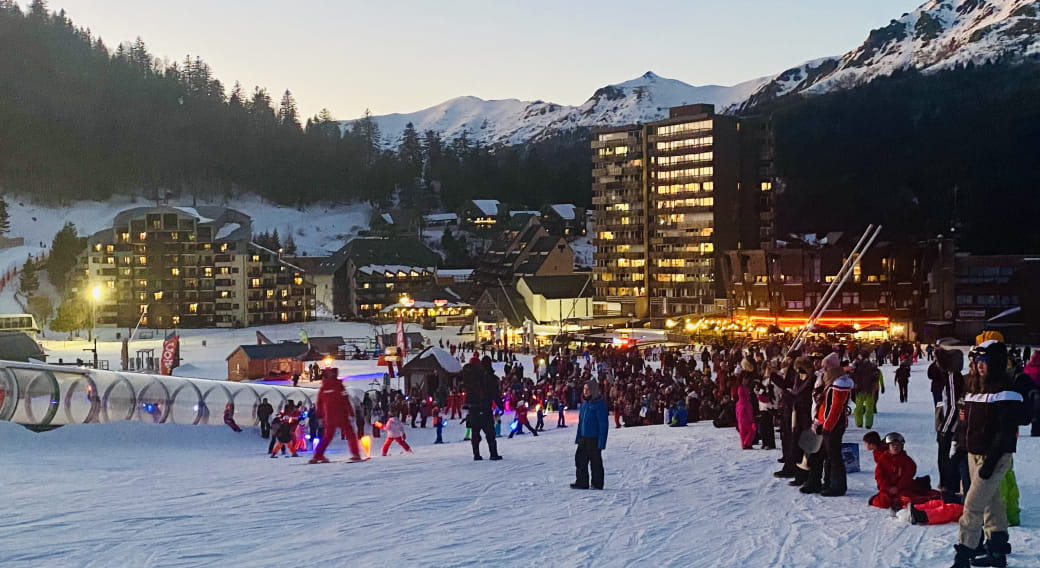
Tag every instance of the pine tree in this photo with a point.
(42, 308)
(30, 281)
(410, 152)
(290, 245)
(276, 241)
(64, 250)
(73, 315)
(287, 112)
(236, 98)
(5, 218)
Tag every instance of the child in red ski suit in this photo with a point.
(395, 433)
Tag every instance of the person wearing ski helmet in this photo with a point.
(336, 414)
(991, 428)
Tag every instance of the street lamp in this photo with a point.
(95, 295)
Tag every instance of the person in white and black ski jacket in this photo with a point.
(992, 413)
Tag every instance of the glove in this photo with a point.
(882, 390)
(986, 471)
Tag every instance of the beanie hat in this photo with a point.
(994, 353)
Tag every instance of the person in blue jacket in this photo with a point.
(591, 438)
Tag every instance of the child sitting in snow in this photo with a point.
(894, 474)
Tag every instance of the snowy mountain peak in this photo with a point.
(512, 121)
(941, 34)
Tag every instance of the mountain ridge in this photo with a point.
(512, 121)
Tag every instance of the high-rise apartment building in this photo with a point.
(668, 196)
(189, 267)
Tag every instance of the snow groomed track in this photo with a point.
(44, 396)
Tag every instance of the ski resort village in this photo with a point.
(791, 322)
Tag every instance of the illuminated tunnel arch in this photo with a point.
(49, 395)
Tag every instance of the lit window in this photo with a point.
(176, 320)
(175, 272)
(158, 295)
(193, 308)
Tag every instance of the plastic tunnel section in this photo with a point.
(48, 395)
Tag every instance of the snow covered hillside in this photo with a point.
(133, 494)
(941, 34)
(512, 121)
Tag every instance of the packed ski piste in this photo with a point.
(731, 454)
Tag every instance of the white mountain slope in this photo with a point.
(939, 35)
(512, 121)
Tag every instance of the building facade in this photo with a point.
(667, 195)
(372, 273)
(189, 267)
(779, 288)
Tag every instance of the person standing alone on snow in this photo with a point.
(591, 438)
(991, 411)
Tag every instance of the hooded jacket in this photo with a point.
(592, 420)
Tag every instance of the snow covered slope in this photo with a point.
(941, 34)
(511, 121)
(135, 494)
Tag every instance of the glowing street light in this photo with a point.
(95, 295)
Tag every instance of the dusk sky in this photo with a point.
(406, 55)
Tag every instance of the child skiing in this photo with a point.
(395, 433)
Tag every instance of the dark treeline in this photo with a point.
(81, 120)
(920, 154)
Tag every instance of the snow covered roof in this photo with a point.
(394, 268)
(194, 213)
(444, 359)
(435, 217)
(525, 212)
(487, 206)
(456, 274)
(386, 217)
(226, 231)
(564, 210)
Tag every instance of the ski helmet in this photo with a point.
(894, 438)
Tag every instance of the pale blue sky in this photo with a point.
(405, 55)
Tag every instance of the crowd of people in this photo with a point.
(798, 401)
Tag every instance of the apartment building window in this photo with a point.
(158, 295)
(795, 305)
(966, 299)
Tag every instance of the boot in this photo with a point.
(811, 486)
(962, 559)
(997, 550)
(784, 473)
(800, 477)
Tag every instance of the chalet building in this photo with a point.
(565, 220)
(273, 360)
(534, 310)
(395, 223)
(189, 267)
(480, 214)
(667, 195)
(375, 272)
(523, 248)
(780, 287)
